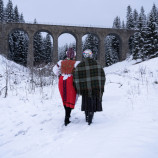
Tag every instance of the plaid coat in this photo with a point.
(89, 78)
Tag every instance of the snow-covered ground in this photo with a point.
(31, 118)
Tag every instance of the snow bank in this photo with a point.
(31, 120)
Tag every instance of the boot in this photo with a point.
(90, 117)
(67, 121)
(67, 115)
(86, 116)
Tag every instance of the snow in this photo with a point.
(31, 118)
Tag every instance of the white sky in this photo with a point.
(78, 12)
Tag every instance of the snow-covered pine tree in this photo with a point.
(117, 23)
(18, 44)
(22, 18)
(38, 49)
(141, 19)
(22, 48)
(136, 45)
(108, 51)
(135, 22)
(48, 48)
(1, 11)
(146, 40)
(123, 25)
(129, 21)
(135, 18)
(115, 46)
(155, 13)
(16, 15)
(112, 50)
(9, 14)
(151, 36)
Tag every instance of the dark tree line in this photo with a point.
(18, 39)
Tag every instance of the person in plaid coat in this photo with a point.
(64, 70)
(89, 80)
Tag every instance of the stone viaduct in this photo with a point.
(56, 30)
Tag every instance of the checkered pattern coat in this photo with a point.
(89, 78)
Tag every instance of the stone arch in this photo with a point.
(71, 41)
(44, 30)
(68, 32)
(18, 43)
(42, 46)
(95, 43)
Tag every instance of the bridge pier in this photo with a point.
(55, 49)
(4, 46)
(30, 55)
(79, 48)
(101, 55)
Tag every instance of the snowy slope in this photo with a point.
(31, 121)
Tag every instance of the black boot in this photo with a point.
(86, 116)
(67, 121)
(67, 115)
(90, 117)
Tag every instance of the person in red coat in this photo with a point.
(64, 70)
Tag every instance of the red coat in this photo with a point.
(67, 91)
(66, 88)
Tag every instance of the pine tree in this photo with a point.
(141, 19)
(154, 13)
(48, 48)
(108, 51)
(22, 18)
(1, 11)
(151, 44)
(123, 25)
(9, 12)
(135, 25)
(146, 40)
(38, 49)
(112, 50)
(135, 18)
(130, 21)
(117, 23)
(18, 44)
(16, 15)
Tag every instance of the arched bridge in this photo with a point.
(56, 30)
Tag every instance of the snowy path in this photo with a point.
(127, 128)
